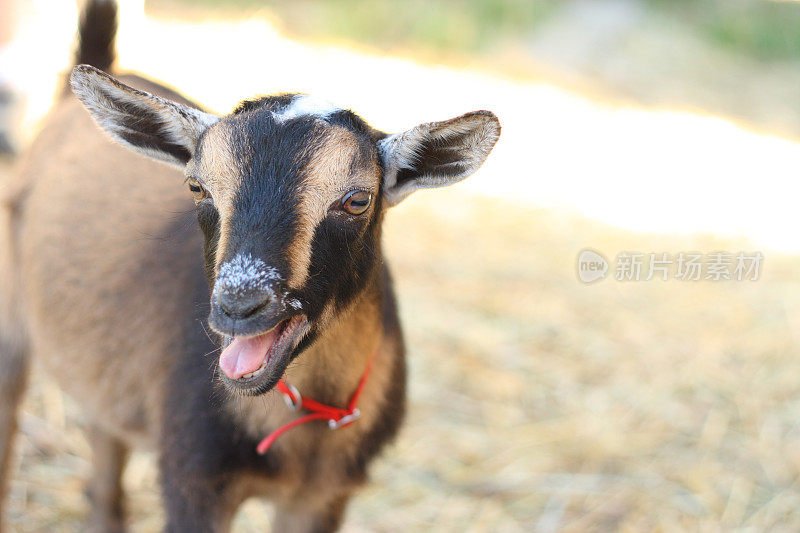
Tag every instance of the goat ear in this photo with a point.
(436, 154)
(143, 122)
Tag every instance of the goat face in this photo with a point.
(297, 201)
(290, 194)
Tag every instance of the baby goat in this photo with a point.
(106, 283)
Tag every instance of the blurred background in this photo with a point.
(537, 402)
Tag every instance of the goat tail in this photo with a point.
(97, 31)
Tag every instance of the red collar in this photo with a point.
(335, 416)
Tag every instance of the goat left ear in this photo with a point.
(145, 123)
(436, 154)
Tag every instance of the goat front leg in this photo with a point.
(307, 519)
(198, 471)
(196, 501)
(105, 488)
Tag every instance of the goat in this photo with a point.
(106, 283)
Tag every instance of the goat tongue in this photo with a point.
(244, 356)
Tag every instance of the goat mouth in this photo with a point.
(253, 364)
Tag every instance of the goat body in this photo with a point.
(107, 281)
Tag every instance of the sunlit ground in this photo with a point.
(536, 403)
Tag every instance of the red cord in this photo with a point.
(264, 445)
(319, 411)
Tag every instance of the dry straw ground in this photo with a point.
(537, 403)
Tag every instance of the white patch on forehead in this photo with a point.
(304, 104)
(244, 273)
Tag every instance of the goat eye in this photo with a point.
(197, 190)
(356, 202)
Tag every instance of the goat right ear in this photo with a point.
(436, 154)
(143, 122)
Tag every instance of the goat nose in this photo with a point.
(242, 304)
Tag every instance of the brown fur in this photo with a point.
(112, 218)
(105, 277)
(329, 179)
(79, 224)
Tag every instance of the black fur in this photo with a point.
(145, 129)
(275, 103)
(208, 219)
(437, 158)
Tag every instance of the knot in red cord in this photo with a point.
(335, 416)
